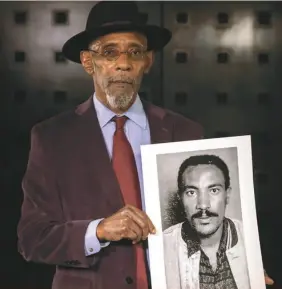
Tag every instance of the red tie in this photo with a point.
(125, 169)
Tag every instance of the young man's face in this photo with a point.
(204, 198)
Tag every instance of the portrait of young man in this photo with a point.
(83, 194)
(207, 242)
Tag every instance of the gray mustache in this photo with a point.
(121, 79)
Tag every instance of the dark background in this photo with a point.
(222, 68)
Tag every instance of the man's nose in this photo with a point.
(123, 63)
(203, 202)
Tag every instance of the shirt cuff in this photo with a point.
(92, 244)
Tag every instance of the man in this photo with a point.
(82, 208)
(207, 243)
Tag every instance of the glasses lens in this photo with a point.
(136, 53)
(111, 53)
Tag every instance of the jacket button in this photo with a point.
(129, 280)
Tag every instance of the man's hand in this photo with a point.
(128, 223)
(268, 280)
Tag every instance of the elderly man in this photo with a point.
(207, 243)
(83, 191)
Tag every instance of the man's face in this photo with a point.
(204, 198)
(118, 81)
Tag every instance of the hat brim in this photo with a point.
(157, 38)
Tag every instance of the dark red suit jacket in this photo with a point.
(68, 182)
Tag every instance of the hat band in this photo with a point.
(116, 23)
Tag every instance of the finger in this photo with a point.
(134, 227)
(268, 280)
(140, 219)
(131, 230)
(143, 215)
(145, 222)
(131, 235)
(151, 226)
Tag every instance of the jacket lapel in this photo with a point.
(160, 131)
(96, 157)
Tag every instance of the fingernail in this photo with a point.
(269, 281)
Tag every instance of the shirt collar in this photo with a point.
(135, 113)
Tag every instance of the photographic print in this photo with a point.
(200, 196)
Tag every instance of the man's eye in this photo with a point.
(215, 191)
(109, 52)
(136, 52)
(190, 193)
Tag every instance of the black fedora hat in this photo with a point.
(115, 16)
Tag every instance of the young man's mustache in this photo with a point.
(204, 213)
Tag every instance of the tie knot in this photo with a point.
(120, 121)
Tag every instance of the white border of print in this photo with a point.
(152, 202)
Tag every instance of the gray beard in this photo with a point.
(120, 102)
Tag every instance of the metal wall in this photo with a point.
(38, 82)
(222, 69)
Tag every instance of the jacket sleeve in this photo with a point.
(44, 236)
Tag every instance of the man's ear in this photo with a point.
(150, 57)
(86, 61)
(228, 192)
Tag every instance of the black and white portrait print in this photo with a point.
(202, 213)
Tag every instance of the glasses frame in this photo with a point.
(144, 52)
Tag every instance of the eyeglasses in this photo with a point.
(112, 54)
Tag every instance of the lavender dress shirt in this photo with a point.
(138, 133)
